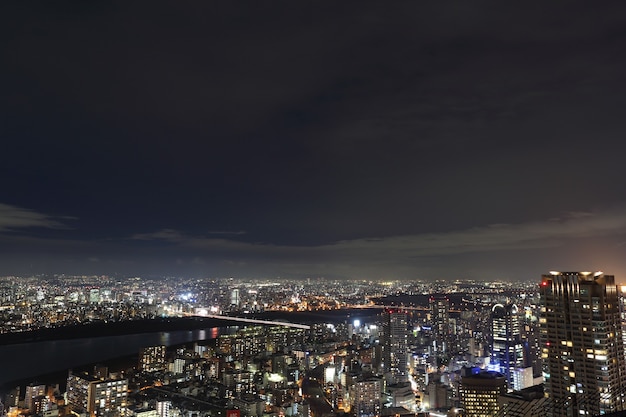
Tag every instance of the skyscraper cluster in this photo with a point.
(581, 348)
(555, 350)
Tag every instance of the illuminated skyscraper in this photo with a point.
(440, 321)
(582, 345)
(507, 350)
(622, 308)
(395, 345)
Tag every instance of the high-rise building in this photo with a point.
(234, 297)
(622, 308)
(365, 397)
(480, 391)
(395, 345)
(152, 358)
(532, 340)
(582, 345)
(97, 397)
(440, 321)
(507, 350)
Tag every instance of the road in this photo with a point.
(313, 393)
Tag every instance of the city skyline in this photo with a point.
(444, 141)
(359, 347)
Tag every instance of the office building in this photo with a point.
(395, 345)
(480, 391)
(582, 345)
(507, 350)
(622, 307)
(440, 322)
(523, 378)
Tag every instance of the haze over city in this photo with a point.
(449, 140)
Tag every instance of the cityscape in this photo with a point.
(330, 348)
(312, 209)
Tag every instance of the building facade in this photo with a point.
(395, 345)
(507, 349)
(96, 397)
(582, 344)
(152, 359)
(530, 402)
(480, 393)
(32, 392)
(440, 321)
(365, 397)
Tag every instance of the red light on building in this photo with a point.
(545, 283)
(233, 413)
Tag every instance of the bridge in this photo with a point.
(399, 307)
(255, 321)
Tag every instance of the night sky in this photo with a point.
(409, 140)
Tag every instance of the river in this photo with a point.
(21, 361)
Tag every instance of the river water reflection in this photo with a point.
(25, 362)
(29, 360)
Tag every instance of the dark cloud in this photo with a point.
(16, 218)
(395, 131)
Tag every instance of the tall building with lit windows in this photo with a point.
(96, 397)
(32, 392)
(581, 344)
(440, 320)
(163, 408)
(507, 350)
(480, 392)
(622, 308)
(395, 345)
(152, 358)
(365, 397)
